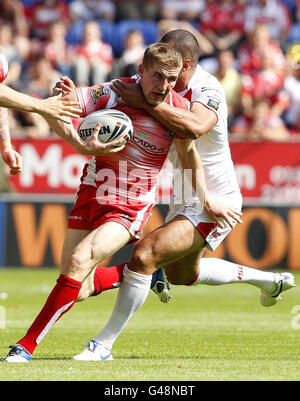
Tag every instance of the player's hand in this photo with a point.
(65, 87)
(217, 211)
(59, 108)
(93, 147)
(13, 159)
(129, 94)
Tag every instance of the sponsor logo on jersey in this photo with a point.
(143, 135)
(206, 89)
(213, 103)
(148, 145)
(97, 93)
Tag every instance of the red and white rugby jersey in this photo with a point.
(213, 146)
(3, 68)
(129, 176)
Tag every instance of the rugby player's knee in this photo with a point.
(142, 258)
(76, 266)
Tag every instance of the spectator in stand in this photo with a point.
(262, 125)
(273, 13)
(294, 34)
(92, 9)
(266, 83)
(40, 78)
(295, 128)
(188, 10)
(10, 51)
(137, 9)
(230, 79)
(128, 9)
(57, 50)
(151, 9)
(167, 25)
(44, 13)
(132, 56)
(94, 58)
(12, 12)
(27, 125)
(257, 43)
(292, 87)
(222, 22)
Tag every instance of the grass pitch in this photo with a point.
(204, 334)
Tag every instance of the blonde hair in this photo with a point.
(162, 53)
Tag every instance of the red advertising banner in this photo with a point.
(49, 165)
(266, 171)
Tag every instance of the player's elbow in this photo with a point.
(197, 125)
(194, 132)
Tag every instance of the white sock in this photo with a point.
(215, 271)
(132, 294)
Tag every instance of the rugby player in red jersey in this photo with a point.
(101, 225)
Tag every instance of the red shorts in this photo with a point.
(88, 214)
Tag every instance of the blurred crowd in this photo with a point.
(252, 47)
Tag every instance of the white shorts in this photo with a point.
(212, 234)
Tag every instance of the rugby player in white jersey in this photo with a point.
(52, 107)
(191, 226)
(100, 223)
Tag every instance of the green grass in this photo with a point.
(205, 333)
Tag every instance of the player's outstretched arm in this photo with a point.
(190, 161)
(52, 107)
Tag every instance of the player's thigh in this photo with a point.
(166, 244)
(108, 239)
(185, 270)
(83, 252)
(72, 240)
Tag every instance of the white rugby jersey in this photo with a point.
(213, 146)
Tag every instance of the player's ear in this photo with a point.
(140, 70)
(186, 64)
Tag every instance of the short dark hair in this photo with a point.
(185, 42)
